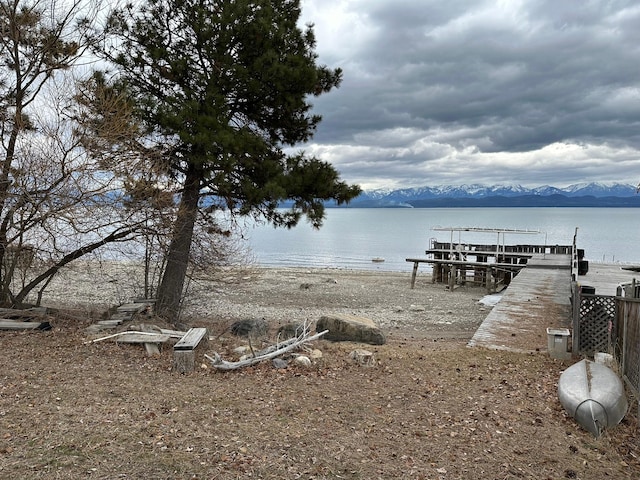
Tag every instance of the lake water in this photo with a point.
(350, 238)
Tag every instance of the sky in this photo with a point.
(452, 92)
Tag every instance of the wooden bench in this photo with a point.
(184, 352)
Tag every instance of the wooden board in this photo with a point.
(121, 316)
(173, 333)
(18, 325)
(136, 337)
(191, 339)
(110, 323)
(514, 266)
(131, 307)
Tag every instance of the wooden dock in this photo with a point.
(491, 266)
(540, 280)
(539, 297)
(606, 277)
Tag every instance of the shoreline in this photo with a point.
(287, 294)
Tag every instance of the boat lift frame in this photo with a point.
(499, 231)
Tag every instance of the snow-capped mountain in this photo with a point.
(583, 194)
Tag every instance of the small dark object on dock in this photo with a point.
(583, 267)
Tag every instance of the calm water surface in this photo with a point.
(351, 238)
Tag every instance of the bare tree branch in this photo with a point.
(289, 346)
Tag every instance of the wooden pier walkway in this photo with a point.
(540, 279)
(537, 298)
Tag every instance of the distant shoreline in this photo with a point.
(502, 202)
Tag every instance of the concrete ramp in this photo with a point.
(537, 298)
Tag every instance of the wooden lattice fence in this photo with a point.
(611, 325)
(595, 331)
(627, 346)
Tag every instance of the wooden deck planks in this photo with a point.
(606, 277)
(537, 298)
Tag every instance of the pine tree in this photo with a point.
(223, 86)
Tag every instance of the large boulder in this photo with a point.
(350, 328)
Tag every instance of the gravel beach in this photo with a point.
(282, 295)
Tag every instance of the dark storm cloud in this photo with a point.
(433, 90)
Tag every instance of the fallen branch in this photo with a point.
(277, 346)
(281, 349)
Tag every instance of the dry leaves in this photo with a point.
(107, 411)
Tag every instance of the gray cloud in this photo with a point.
(465, 91)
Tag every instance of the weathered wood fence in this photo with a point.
(610, 324)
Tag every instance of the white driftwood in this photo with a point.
(271, 352)
(128, 332)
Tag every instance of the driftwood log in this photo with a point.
(267, 354)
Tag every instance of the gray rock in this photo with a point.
(364, 358)
(302, 361)
(315, 354)
(241, 350)
(279, 363)
(343, 327)
(255, 327)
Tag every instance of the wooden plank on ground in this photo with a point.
(110, 323)
(146, 301)
(150, 347)
(141, 337)
(6, 324)
(131, 307)
(173, 333)
(124, 317)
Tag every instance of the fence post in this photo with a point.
(575, 300)
(625, 318)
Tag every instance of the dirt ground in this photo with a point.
(429, 408)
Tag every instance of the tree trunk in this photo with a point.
(170, 290)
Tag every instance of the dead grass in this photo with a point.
(430, 408)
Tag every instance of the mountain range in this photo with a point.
(579, 195)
